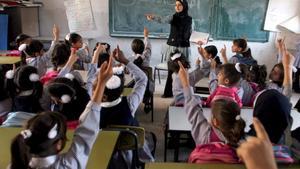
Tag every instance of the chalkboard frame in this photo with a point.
(213, 19)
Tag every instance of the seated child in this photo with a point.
(44, 136)
(227, 81)
(25, 91)
(142, 50)
(225, 128)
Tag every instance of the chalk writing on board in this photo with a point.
(80, 15)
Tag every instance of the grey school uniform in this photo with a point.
(285, 90)
(42, 62)
(146, 56)
(66, 70)
(194, 77)
(201, 128)
(248, 92)
(297, 56)
(82, 143)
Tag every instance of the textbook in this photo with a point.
(199, 36)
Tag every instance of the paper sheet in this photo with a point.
(292, 24)
(80, 15)
(199, 36)
(279, 11)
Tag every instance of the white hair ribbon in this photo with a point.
(238, 68)
(175, 56)
(113, 83)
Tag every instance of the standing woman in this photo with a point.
(179, 38)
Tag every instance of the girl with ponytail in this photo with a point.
(33, 54)
(44, 136)
(221, 134)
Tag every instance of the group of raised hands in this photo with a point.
(255, 152)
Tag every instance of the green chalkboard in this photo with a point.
(241, 18)
(223, 19)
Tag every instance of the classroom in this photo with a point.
(179, 84)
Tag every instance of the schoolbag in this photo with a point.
(215, 152)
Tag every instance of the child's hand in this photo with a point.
(73, 57)
(99, 49)
(55, 32)
(119, 56)
(287, 58)
(257, 152)
(146, 32)
(213, 64)
(105, 73)
(182, 73)
(200, 43)
(198, 61)
(149, 17)
(223, 54)
(200, 50)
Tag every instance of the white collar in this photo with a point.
(26, 93)
(42, 162)
(137, 56)
(111, 104)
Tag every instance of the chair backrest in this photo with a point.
(149, 72)
(129, 140)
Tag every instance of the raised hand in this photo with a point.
(146, 32)
(119, 56)
(55, 31)
(257, 152)
(182, 73)
(287, 58)
(149, 17)
(105, 73)
(99, 49)
(223, 54)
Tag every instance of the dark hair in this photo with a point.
(231, 73)
(242, 43)
(258, 74)
(21, 82)
(20, 38)
(280, 81)
(102, 58)
(113, 94)
(38, 143)
(225, 112)
(138, 46)
(102, 43)
(212, 50)
(3, 91)
(34, 47)
(79, 96)
(173, 64)
(60, 55)
(74, 37)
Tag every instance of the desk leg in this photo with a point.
(152, 107)
(166, 142)
(176, 149)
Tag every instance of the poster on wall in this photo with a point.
(80, 15)
(280, 11)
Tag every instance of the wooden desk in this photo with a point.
(99, 157)
(202, 86)
(204, 166)
(6, 60)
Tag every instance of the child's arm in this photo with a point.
(200, 126)
(140, 79)
(213, 79)
(84, 56)
(196, 75)
(92, 69)
(287, 61)
(147, 52)
(223, 54)
(280, 43)
(67, 68)
(47, 56)
(87, 132)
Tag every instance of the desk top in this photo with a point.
(99, 157)
(9, 60)
(178, 119)
(204, 166)
(202, 83)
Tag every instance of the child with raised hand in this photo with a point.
(243, 53)
(33, 54)
(142, 50)
(224, 85)
(74, 41)
(194, 76)
(225, 126)
(44, 137)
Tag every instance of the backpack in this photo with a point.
(282, 154)
(215, 152)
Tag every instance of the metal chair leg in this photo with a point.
(158, 76)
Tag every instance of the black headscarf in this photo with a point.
(178, 18)
(273, 109)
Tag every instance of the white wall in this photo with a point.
(53, 12)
